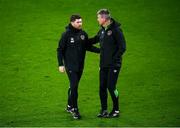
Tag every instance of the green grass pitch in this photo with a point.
(34, 93)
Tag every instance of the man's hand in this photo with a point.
(61, 69)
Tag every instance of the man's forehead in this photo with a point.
(98, 15)
(101, 16)
(78, 20)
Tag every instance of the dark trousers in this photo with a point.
(108, 80)
(74, 78)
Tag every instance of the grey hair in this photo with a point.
(104, 13)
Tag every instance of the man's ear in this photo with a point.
(72, 23)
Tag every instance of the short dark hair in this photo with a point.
(105, 13)
(74, 17)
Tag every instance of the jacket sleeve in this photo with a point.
(61, 49)
(90, 47)
(121, 42)
(94, 39)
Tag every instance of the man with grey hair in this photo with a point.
(112, 47)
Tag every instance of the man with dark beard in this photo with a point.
(71, 55)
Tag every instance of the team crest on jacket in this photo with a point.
(109, 32)
(82, 37)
